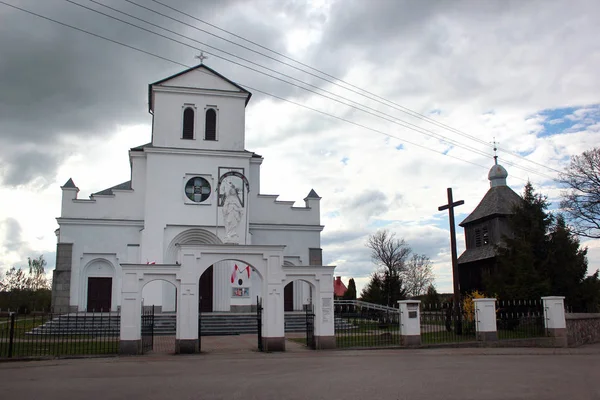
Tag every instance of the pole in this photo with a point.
(456, 298)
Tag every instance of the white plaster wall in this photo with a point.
(200, 78)
(168, 121)
(97, 242)
(166, 201)
(265, 209)
(297, 242)
(124, 204)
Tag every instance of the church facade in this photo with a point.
(194, 184)
(484, 229)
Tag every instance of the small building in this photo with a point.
(484, 229)
(339, 289)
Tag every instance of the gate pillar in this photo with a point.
(186, 339)
(131, 316)
(324, 313)
(273, 319)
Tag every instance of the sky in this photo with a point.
(443, 80)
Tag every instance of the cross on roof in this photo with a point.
(201, 57)
(495, 151)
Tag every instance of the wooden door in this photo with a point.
(99, 294)
(288, 297)
(206, 290)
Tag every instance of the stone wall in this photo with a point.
(582, 329)
(61, 278)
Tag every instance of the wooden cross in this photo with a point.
(450, 207)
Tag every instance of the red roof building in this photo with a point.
(338, 287)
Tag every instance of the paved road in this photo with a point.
(482, 374)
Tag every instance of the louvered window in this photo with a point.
(188, 123)
(210, 132)
(486, 235)
(477, 238)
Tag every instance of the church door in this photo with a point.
(99, 294)
(206, 290)
(288, 297)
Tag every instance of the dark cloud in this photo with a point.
(12, 241)
(369, 203)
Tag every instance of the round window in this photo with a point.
(197, 189)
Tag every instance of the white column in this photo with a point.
(410, 322)
(186, 337)
(131, 315)
(298, 294)
(485, 319)
(556, 324)
(222, 286)
(324, 314)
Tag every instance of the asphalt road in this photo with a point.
(482, 374)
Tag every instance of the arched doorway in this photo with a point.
(229, 320)
(158, 322)
(299, 314)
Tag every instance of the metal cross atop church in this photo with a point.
(201, 57)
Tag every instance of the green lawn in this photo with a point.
(51, 347)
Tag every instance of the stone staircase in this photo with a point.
(101, 324)
(213, 324)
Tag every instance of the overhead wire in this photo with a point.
(241, 84)
(375, 97)
(399, 122)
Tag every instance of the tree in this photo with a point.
(351, 291)
(390, 254)
(520, 260)
(417, 275)
(373, 292)
(431, 298)
(37, 273)
(581, 201)
(25, 291)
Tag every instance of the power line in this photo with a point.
(249, 87)
(377, 98)
(395, 120)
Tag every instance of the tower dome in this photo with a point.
(497, 175)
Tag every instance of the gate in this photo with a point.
(147, 330)
(310, 327)
(259, 309)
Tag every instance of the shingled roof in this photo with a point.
(476, 254)
(109, 191)
(499, 200)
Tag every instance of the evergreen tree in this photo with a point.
(384, 288)
(432, 297)
(351, 292)
(542, 257)
(373, 293)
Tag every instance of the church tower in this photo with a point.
(484, 229)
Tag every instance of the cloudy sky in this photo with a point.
(524, 73)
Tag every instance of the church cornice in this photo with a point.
(286, 227)
(209, 92)
(100, 221)
(198, 152)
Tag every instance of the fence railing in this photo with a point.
(360, 324)
(55, 335)
(444, 323)
(520, 319)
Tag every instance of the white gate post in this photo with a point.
(556, 324)
(410, 322)
(324, 314)
(485, 319)
(186, 338)
(130, 341)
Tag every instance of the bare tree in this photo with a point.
(417, 275)
(581, 201)
(388, 252)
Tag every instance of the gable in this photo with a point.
(198, 77)
(499, 200)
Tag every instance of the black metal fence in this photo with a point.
(259, 310)
(443, 323)
(520, 319)
(359, 325)
(147, 330)
(310, 327)
(36, 335)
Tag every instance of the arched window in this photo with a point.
(210, 132)
(188, 123)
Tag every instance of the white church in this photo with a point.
(194, 185)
